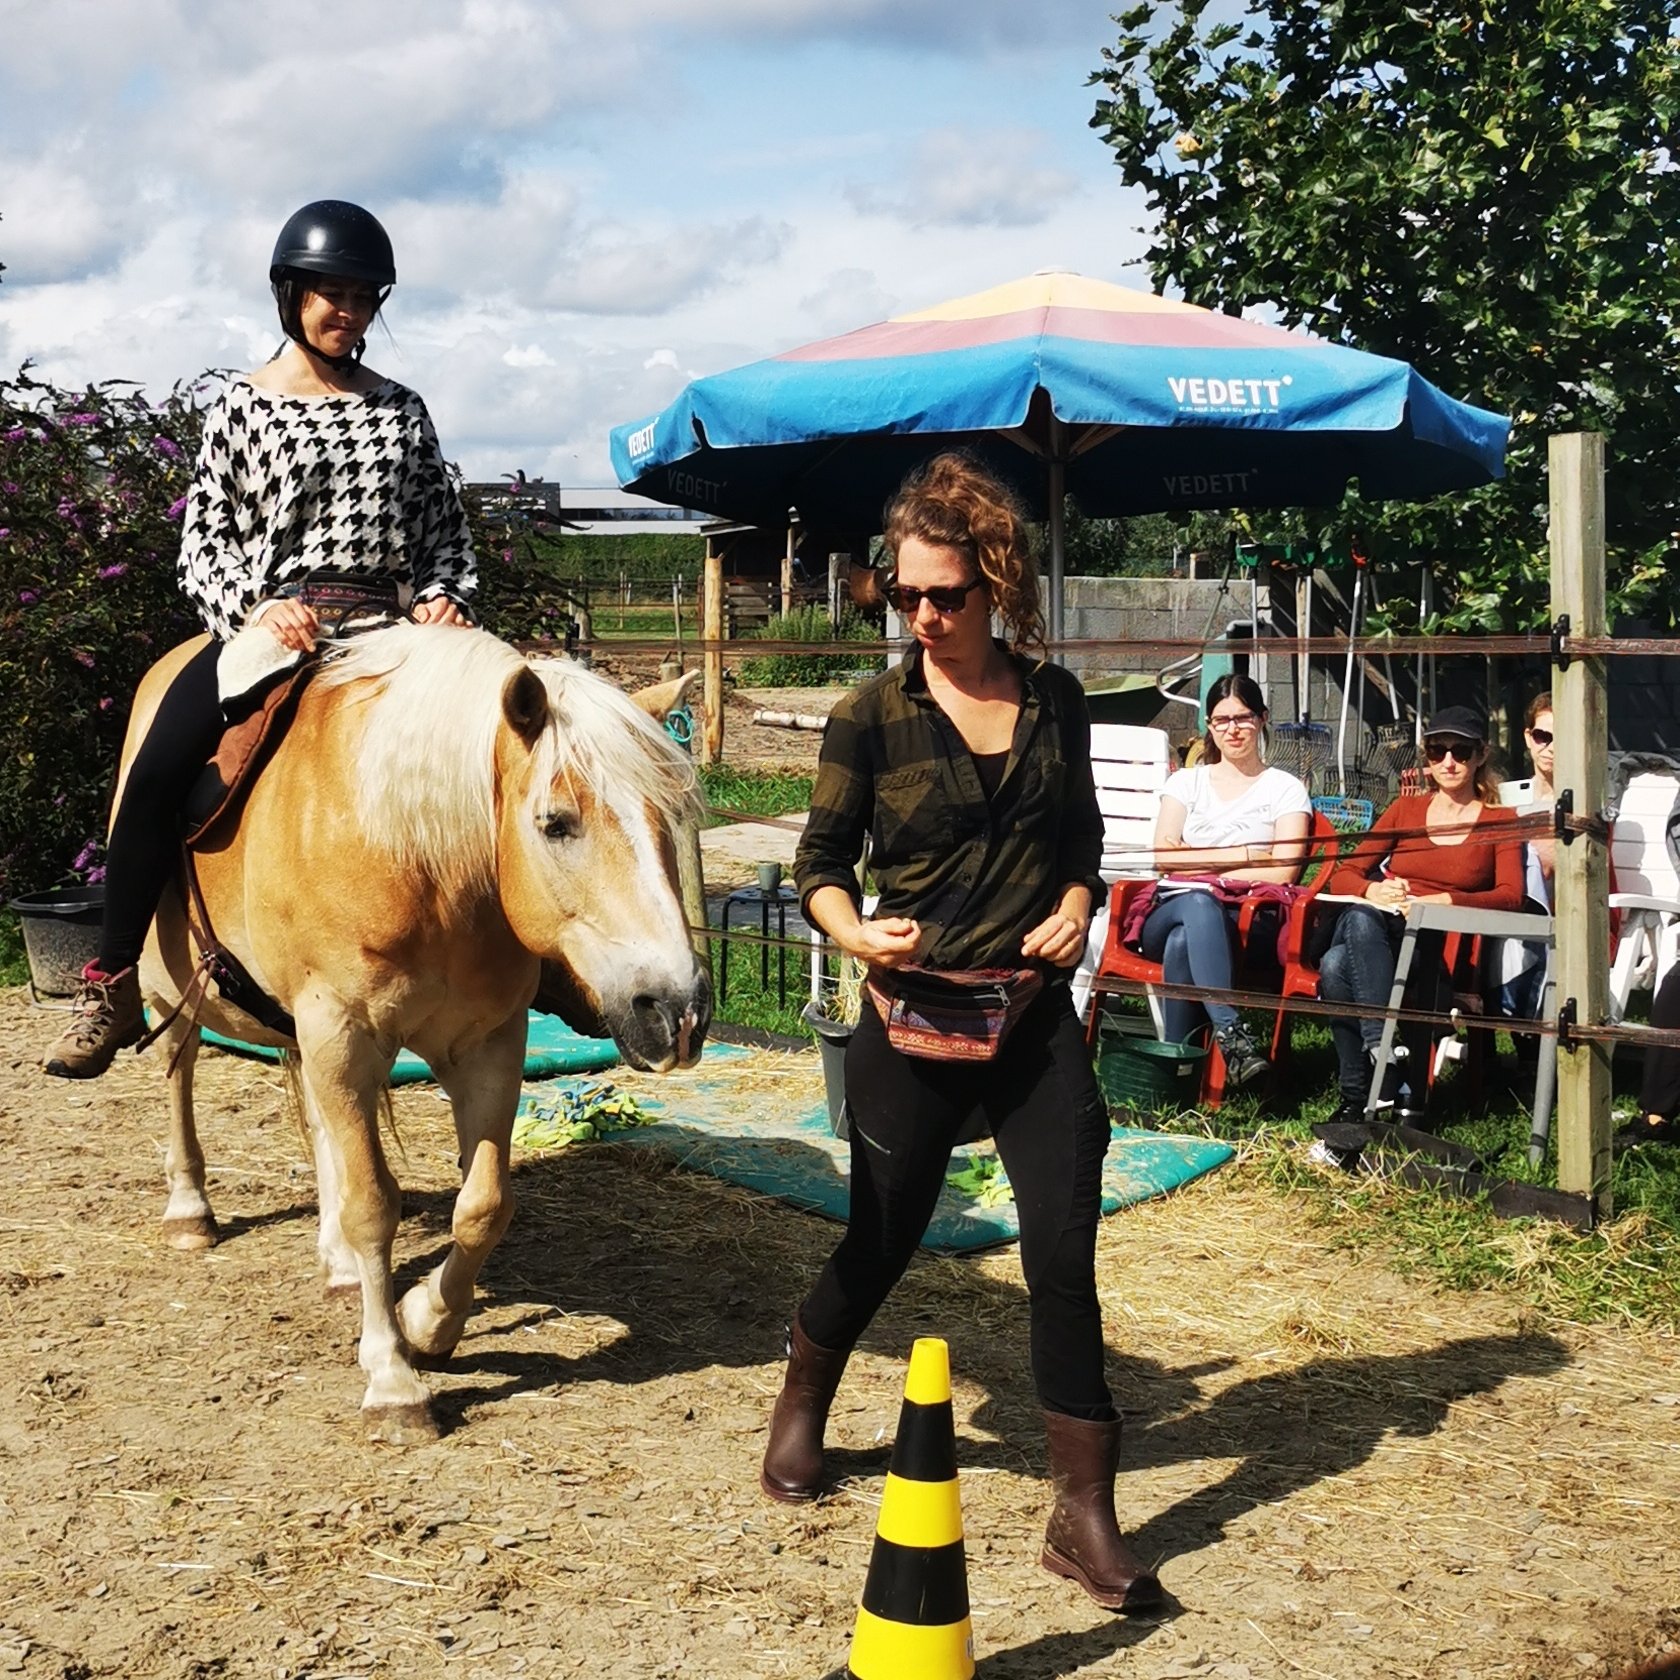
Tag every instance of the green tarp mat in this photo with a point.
(711, 1126)
(551, 1048)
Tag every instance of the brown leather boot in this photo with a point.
(793, 1457)
(105, 1017)
(1082, 1540)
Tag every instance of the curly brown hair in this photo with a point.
(952, 501)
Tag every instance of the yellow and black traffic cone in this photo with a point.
(913, 1623)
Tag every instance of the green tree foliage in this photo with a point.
(1485, 191)
(1144, 544)
(810, 670)
(92, 487)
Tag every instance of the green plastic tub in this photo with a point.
(1148, 1076)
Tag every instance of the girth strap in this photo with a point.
(215, 962)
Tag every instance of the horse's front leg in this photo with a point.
(188, 1222)
(483, 1089)
(344, 1073)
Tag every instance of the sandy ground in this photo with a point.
(1338, 1471)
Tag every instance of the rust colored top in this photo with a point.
(1483, 870)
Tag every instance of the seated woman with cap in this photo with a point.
(1443, 846)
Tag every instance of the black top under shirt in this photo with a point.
(991, 767)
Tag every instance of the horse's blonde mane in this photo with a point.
(426, 759)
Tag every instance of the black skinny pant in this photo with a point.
(1659, 1087)
(1051, 1127)
(146, 836)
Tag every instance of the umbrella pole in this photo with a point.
(1347, 675)
(1058, 527)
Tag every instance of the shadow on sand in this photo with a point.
(702, 1281)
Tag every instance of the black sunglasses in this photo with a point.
(952, 599)
(1540, 737)
(1458, 747)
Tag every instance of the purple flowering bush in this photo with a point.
(91, 483)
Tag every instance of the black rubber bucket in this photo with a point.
(60, 935)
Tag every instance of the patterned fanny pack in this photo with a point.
(347, 601)
(955, 1015)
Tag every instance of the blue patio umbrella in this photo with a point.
(1129, 402)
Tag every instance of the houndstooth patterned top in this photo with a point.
(289, 486)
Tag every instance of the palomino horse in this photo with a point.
(438, 821)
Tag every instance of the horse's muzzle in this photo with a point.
(663, 1030)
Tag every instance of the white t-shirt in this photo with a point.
(1249, 819)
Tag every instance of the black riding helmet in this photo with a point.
(328, 237)
(332, 237)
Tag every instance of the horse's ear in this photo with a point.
(525, 704)
(661, 699)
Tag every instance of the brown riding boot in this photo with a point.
(1082, 1540)
(793, 1457)
(105, 1017)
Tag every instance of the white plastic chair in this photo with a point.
(1647, 886)
(1130, 765)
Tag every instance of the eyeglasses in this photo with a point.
(1234, 720)
(1540, 737)
(1461, 750)
(943, 599)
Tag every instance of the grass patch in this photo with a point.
(1629, 1268)
(753, 1001)
(759, 793)
(643, 623)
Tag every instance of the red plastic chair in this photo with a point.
(1120, 962)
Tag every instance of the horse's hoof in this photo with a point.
(401, 1426)
(431, 1337)
(191, 1234)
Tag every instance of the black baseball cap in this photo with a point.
(1457, 720)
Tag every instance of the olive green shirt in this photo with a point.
(977, 874)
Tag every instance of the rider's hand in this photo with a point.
(888, 942)
(291, 624)
(439, 609)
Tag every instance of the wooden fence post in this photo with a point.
(787, 570)
(711, 631)
(1581, 886)
(691, 887)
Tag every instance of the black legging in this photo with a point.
(1051, 1127)
(146, 836)
(1659, 1088)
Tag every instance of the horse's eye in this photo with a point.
(561, 825)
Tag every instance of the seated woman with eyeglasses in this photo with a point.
(1235, 816)
(1443, 846)
(1520, 965)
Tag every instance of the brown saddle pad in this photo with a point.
(245, 747)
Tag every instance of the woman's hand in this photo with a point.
(1392, 893)
(291, 624)
(888, 942)
(1058, 939)
(439, 609)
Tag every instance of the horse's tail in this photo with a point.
(291, 1071)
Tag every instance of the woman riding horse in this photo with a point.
(318, 480)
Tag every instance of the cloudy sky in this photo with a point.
(591, 200)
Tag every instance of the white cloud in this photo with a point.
(846, 299)
(591, 200)
(972, 177)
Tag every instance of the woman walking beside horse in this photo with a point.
(969, 766)
(318, 482)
